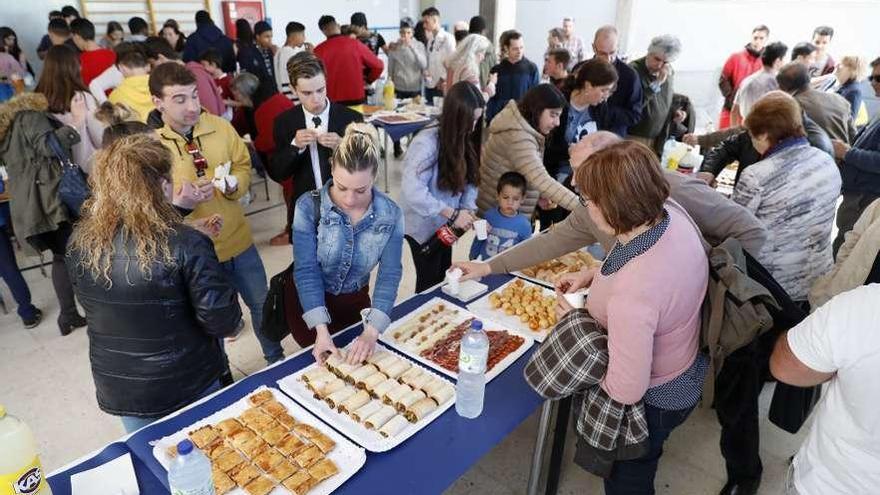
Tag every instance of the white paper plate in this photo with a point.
(349, 458)
(484, 310)
(464, 314)
(368, 439)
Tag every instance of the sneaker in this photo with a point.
(68, 325)
(282, 239)
(33, 321)
(237, 334)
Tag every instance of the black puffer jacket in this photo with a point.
(154, 344)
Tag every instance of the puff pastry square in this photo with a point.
(323, 469)
(252, 448)
(255, 416)
(290, 445)
(260, 486)
(306, 431)
(323, 442)
(261, 428)
(298, 478)
(222, 482)
(268, 459)
(273, 408)
(229, 427)
(287, 420)
(275, 435)
(228, 462)
(244, 474)
(242, 437)
(219, 451)
(308, 456)
(204, 436)
(260, 397)
(283, 470)
(304, 487)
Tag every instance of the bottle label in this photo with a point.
(27, 481)
(471, 363)
(208, 489)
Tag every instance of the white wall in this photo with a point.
(29, 20)
(452, 11)
(380, 13)
(712, 29)
(536, 17)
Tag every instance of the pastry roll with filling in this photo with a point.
(333, 400)
(377, 356)
(394, 426)
(440, 391)
(315, 374)
(380, 417)
(361, 373)
(364, 412)
(370, 382)
(329, 388)
(409, 399)
(396, 393)
(357, 400)
(409, 374)
(343, 370)
(397, 368)
(383, 388)
(420, 410)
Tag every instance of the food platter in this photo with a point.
(266, 444)
(548, 272)
(522, 306)
(431, 336)
(378, 404)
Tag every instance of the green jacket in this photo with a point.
(34, 172)
(655, 105)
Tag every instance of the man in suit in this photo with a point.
(306, 135)
(830, 110)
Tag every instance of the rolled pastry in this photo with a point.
(339, 396)
(409, 399)
(383, 388)
(409, 374)
(343, 370)
(386, 361)
(362, 372)
(330, 387)
(378, 356)
(380, 417)
(315, 374)
(442, 394)
(370, 382)
(433, 385)
(396, 393)
(365, 411)
(357, 400)
(317, 384)
(397, 368)
(420, 381)
(420, 410)
(394, 426)
(333, 361)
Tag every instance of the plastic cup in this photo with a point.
(575, 299)
(453, 278)
(481, 227)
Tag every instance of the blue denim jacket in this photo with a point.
(338, 257)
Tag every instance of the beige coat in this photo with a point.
(513, 145)
(854, 260)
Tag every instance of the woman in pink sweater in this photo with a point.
(647, 294)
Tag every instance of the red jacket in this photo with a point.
(346, 61)
(209, 94)
(93, 63)
(264, 121)
(739, 66)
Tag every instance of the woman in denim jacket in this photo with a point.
(358, 228)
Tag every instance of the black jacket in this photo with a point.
(737, 146)
(154, 345)
(623, 109)
(210, 36)
(287, 161)
(861, 169)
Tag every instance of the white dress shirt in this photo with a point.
(321, 127)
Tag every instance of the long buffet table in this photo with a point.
(429, 462)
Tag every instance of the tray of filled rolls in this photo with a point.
(378, 403)
(432, 333)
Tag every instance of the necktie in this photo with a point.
(317, 121)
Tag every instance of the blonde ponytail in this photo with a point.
(358, 150)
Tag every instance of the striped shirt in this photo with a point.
(793, 191)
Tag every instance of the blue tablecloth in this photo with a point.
(429, 462)
(399, 131)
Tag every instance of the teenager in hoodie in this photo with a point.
(207, 35)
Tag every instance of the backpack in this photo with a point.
(274, 325)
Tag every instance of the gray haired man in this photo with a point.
(656, 76)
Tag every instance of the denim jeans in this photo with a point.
(10, 274)
(636, 477)
(134, 423)
(249, 278)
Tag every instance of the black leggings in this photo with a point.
(431, 268)
(56, 241)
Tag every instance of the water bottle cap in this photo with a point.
(476, 325)
(184, 447)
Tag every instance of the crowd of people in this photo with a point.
(132, 157)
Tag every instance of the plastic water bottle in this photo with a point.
(190, 472)
(20, 469)
(471, 386)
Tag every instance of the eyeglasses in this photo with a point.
(583, 200)
(199, 160)
(875, 78)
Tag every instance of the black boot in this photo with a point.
(68, 324)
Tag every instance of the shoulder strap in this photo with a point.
(316, 199)
(57, 149)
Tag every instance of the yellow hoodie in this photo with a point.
(135, 93)
(218, 143)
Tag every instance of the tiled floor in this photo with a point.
(45, 379)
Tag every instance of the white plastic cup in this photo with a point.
(481, 227)
(453, 278)
(575, 299)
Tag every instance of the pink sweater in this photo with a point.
(651, 308)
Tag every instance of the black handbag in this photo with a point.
(73, 188)
(274, 325)
(791, 406)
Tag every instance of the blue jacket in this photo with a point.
(861, 165)
(209, 36)
(513, 82)
(624, 108)
(853, 94)
(337, 257)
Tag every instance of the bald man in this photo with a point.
(624, 108)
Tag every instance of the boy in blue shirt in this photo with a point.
(507, 227)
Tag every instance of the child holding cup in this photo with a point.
(503, 226)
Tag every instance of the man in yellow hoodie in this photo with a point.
(207, 149)
(134, 91)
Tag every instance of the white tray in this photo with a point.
(543, 283)
(368, 439)
(484, 310)
(464, 315)
(349, 458)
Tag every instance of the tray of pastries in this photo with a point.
(548, 272)
(432, 335)
(522, 306)
(378, 403)
(266, 444)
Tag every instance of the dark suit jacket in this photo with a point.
(288, 162)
